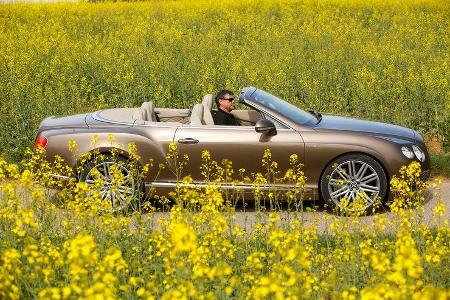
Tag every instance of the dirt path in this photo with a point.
(246, 217)
(441, 194)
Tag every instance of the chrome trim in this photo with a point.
(62, 177)
(278, 120)
(217, 127)
(223, 186)
(96, 117)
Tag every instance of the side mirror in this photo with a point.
(265, 126)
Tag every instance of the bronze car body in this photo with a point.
(369, 150)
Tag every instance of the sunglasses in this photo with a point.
(229, 99)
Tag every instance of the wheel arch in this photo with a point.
(86, 157)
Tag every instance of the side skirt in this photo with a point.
(310, 192)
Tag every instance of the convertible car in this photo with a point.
(344, 158)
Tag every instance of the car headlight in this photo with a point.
(407, 152)
(419, 153)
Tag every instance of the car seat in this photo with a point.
(207, 106)
(138, 114)
(148, 112)
(197, 115)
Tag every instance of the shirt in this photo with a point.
(224, 118)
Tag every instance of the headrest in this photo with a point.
(147, 108)
(208, 101)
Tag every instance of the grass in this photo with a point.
(440, 164)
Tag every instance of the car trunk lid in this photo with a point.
(75, 121)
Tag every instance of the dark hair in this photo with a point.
(222, 94)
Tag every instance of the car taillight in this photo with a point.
(41, 142)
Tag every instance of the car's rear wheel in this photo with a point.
(354, 183)
(116, 180)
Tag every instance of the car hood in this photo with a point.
(368, 127)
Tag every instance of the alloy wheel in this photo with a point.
(354, 180)
(117, 186)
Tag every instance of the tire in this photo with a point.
(131, 188)
(356, 178)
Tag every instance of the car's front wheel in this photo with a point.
(116, 181)
(353, 183)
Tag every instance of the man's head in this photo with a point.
(225, 100)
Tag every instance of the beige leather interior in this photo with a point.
(138, 114)
(130, 115)
(201, 114)
(207, 106)
(148, 112)
(127, 115)
(197, 115)
(246, 117)
(173, 115)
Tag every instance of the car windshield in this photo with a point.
(288, 110)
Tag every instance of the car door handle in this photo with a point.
(188, 141)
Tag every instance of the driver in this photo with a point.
(225, 104)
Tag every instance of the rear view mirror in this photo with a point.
(265, 126)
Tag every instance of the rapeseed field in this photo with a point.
(68, 246)
(379, 59)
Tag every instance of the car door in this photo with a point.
(240, 144)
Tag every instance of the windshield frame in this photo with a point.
(270, 103)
